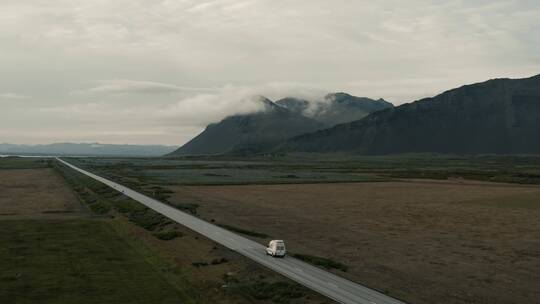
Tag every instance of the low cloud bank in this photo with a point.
(126, 86)
(144, 112)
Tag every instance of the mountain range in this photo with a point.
(277, 122)
(499, 116)
(86, 149)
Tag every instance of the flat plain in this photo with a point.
(75, 261)
(68, 239)
(35, 192)
(419, 240)
(52, 250)
(422, 228)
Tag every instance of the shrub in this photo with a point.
(100, 207)
(199, 264)
(128, 206)
(244, 231)
(167, 235)
(148, 219)
(219, 261)
(277, 292)
(188, 207)
(140, 214)
(320, 261)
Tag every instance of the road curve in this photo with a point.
(323, 282)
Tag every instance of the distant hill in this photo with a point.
(335, 108)
(499, 116)
(84, 149)
(250, 132)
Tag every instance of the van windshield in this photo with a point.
(280, 247)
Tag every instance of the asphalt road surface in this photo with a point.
(323, 282)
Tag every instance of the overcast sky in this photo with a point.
(156, 72)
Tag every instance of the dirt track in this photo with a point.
(423, 241)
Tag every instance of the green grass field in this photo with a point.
(22, 163)
(312, 168)
(75, 261)
(143, 172)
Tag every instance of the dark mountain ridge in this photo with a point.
(500, 116)
(276, 122)
(252, 132)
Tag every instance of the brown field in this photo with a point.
(33, 192)
(421, 241)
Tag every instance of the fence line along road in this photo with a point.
(323, 282)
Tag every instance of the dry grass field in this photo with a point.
(419, 240)
(33, 192)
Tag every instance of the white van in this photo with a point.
(276, 248)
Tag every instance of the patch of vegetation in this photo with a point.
(216, 175)
(94, 194)
(480, 174)
(76, 261)
(320, 261)
(219, 261)
(519, 201)
(316, 168)
(100, 207)
(14, 162)
(190, 208)
(127, 174)
(245, 231)
(101, 198)
(216, 171)
(157, 192)
(128, 206)
(148, 219)
(167, 235)
(288, 176)
(141, 215)
(278, 292)
(57, 211)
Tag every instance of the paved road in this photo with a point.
(328, 284)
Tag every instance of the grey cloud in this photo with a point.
(126, 86)
(12, 96)
(159, 57)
